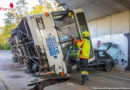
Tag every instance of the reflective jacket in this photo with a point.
(84, 48)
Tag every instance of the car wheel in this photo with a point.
(108, 67)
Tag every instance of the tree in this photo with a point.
(14, 17)
(20, 10)
(5, 35)
(38, 9)
(42, 7)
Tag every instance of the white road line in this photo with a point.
(122, 78)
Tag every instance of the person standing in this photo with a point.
(83, 54)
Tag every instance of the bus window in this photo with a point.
(82, 22)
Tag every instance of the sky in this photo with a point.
(5, 4)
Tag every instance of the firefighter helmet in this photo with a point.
(85, 34)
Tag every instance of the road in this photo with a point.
(14, 78)
(12, 74)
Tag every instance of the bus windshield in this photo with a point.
(66, 26)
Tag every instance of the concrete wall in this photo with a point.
(113, 29)
(110, 25)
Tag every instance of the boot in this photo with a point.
(84, 78)
(87, 77)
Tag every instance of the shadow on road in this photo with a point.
(42, 84)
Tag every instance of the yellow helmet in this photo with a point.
(85, 34)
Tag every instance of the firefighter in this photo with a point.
(83, 54)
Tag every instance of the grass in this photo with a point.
(5, 47)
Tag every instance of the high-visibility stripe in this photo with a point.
(80, 49)
(84, 72)
(84, 58)
(84, 54)
(69, 14)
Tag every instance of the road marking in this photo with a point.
(122, 78)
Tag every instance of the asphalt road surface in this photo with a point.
(14, 78)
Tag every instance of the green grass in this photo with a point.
(5, 47)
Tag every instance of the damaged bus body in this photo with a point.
(44, 42)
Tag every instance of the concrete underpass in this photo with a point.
(108, 22)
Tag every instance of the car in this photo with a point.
(116, 52)
(103, 61)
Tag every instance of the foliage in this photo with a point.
(38, 9)
(14, 17)
(5, 35)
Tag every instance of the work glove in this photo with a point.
(75, 39)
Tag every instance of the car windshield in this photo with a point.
(104, 46)
(101, 54)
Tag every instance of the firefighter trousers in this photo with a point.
(84, 69)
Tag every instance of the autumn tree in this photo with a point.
(15, 16)
(5, 35)
(44, 6)
(20, 10)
